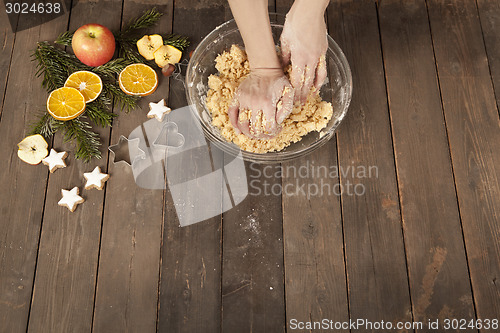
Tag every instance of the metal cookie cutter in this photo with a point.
(169, 137)
(126, 151)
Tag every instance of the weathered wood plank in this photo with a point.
(252, 277)
(437, 265)
(374, 246)
(190, 294)
(489, 14)
(315, 279)
(253, 268)
(7, 37)
(63, 294)
(22, 203)
(473, 132)
(316, 285)
(129, 261)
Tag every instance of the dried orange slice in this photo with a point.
(88, 83)
(65, 103)
(138, 80)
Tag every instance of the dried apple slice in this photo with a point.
(167, 54)
(32, 149)
(147, 45)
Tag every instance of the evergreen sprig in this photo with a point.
(126, 40)
(78, 130)
(98, 113)
(65, 38)
(87, 141)
(54, 65)
(45, 125)
(111, 69)
(126, 102)
(178, 41)
(148, 19)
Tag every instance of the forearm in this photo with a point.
(311, 8)
(252, 19)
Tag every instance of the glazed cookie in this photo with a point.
(70, 199)
(95, 179)
(158, 110)
(55, 160)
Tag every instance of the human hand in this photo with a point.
(304, 43)
(261, 103)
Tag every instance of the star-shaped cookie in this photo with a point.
(95, 179)
(70, 199)
(158, 110)
(55, 160)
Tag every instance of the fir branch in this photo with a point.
(87, 141)
(148, 19)
(53, 74)
(55, 65)
(111, 68)
(99, 115)
(178, 41)
(65, 38)
(128, 51)
(44, 125)
(124, 101)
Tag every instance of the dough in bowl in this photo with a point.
(233, 67)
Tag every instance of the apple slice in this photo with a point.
(167, 54)
(147, 45)
(32, 149)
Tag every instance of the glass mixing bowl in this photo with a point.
(337, 90)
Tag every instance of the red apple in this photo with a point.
(93, 44)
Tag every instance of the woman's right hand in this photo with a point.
(261, 103)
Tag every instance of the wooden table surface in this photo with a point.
(421, 243)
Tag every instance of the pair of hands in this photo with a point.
(266, 97)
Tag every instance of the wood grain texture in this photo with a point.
(473, 132)
(315, 277)
(374, 247)
(253, 272)
(22, 202)
(437, 265)
(489, 14)
(63, 294)
(129, 261)
(190, 294)
(252, 275)
(7, 37)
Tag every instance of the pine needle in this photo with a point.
(65, 38)
(125, 102)
(44, 126)
(148, 19)
(87, 141)
(99, 114)
(54, 65)
(112, 68)
(178, 41)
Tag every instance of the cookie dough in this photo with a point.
(233, 67)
